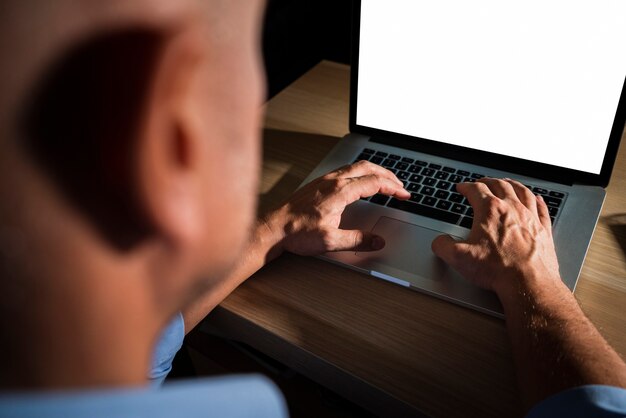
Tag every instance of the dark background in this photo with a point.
(300, 33)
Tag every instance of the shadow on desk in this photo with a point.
(617, 224)
(288, 158)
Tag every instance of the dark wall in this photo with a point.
(300, 33)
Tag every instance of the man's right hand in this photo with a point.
(510, 250)
(510, 240)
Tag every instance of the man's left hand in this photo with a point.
(309, 220)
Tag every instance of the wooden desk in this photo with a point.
(389, 349)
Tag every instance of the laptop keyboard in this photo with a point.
(433, 189)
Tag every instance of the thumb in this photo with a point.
(450, 250)
(355, 240)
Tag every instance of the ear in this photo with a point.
(170, 178)
(83, 122)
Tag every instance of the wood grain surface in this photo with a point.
(395, 351)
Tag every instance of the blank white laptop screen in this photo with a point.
(534, 79)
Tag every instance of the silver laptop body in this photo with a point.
(401, 33)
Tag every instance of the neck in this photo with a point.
(83, 339)
(73, 312)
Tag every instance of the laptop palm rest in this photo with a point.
(408, 248)
(407, 258)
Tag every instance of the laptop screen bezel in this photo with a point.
(474, 156)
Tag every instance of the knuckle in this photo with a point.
(527, 193)
(520, 208)
(494, 204)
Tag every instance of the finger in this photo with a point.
(475, 193)
(524, 195)
(362, 168)
(353, 240)
(543, 213)
(372, 184)
(453, 252)
(499, 188)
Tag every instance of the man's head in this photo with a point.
(129, 135)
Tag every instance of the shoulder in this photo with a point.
(233, 396)
(585, 401)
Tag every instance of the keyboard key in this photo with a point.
(421, 163)
(429, 181)
(429, 200)
(415, 197)
(449, 169)
(403, 175)
(557, 195)
(442, 175)
(552, 219)
(422, 210)
(469, 180)
(381, 154)
(415, 169)
(457, 208)
(408, 160)
(428, 172)
(553, 211)
(466, 222)
(441, 194)
(477, 176)
(444, 185)
(470, 212)
(416, 178)
(395, 157)
(376, 160)
(444, 204)
(456, 198)
(428, 191)
(463, 173)
(539, 190)
(368, 151)
(402, 166)
(455, 179)
(379, 199)
(363, 156)
(413, 187)
(388, 163)
(552, 201)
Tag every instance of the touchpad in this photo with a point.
(408, 248)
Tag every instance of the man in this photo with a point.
(130, 156)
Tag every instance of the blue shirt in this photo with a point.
(591, 401)
(170, 341)
(233, 397)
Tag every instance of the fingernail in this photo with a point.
(377, 243)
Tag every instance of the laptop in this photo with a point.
(444, 92)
